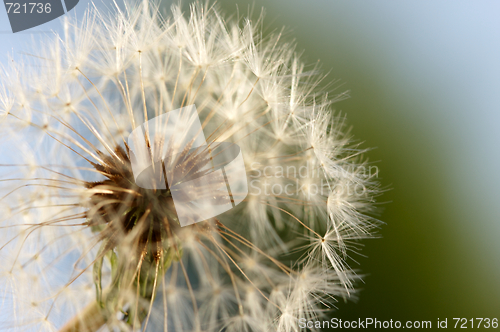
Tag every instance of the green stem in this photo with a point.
(90, 319)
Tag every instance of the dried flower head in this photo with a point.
(84, 246)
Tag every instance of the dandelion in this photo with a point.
(84, 246)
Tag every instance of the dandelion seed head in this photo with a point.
(94, 245)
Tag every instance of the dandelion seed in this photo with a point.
(84, 246)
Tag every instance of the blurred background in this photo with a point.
(424, 80)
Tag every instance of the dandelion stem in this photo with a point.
(90, 319)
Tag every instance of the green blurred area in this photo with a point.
(427, 265)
